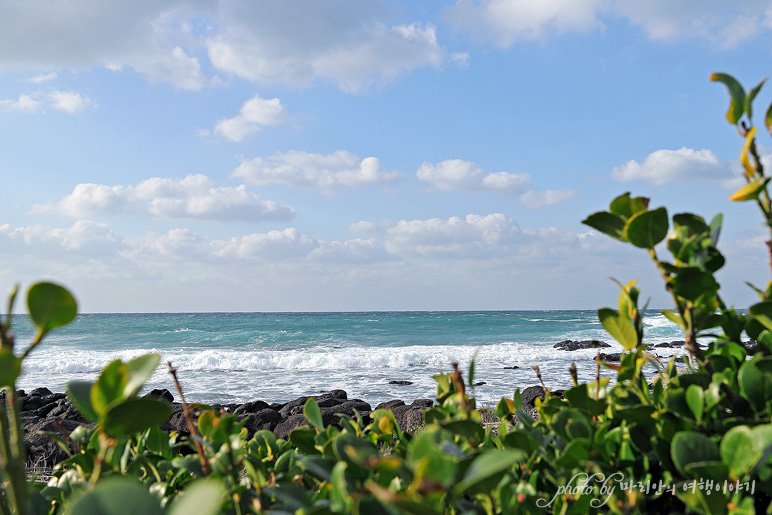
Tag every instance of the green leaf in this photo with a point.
(79, 393)
(750, 97)
(647, 228)
(715, 228)
(750, 191)
(116, 496)
(737, 451)
(50, 306)
(607, 223)
(465, 428)
(768, 119)
(753, 383)
(139, 370)
(691, 447)
(10, 368)
(313, 414)
(737, 94)
(109, 386)
(202, 497)
(695, 399)
(489, 465)
(626, 207)
(619, 327)
(134, 415)
(691, 283)
(674, 317)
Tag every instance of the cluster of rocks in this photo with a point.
(43, 411)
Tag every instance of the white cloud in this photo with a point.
(37, 79)
(457, 174)
(721, 22)
(194, 197)
(274, 245)
(347, 42)
(664, 166)
(474, 235)
(352, 251)
(82, 235)
(538, 199)
(68, 101)
(255, 112)
(304, 170)
(24, 103)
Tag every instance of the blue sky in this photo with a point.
(211, 155)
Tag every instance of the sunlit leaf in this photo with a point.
(10, 368)
(619, 327)
(750, 191)
(50, 306)
(750, 97)
(625, 206)
(79, 393)
(313, 413)
(737, 94)
(607, 223)
(139, 370)
(646, 229)
(202, 497)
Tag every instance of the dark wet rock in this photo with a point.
(514, 367)
(325, 400)
(670, 345)
(530, 394)
(251, 407)
(479, 383)
(401, 383)
(42, 451)
(265, 419)
(609, 357)
(390, 404)
(411, 417)
(161, 393)
(571, 345)
(330, 416)
(40, 392)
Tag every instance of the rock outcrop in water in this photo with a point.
(571, 345)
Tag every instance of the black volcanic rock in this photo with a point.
(571, 345)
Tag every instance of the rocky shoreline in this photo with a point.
(45, 411)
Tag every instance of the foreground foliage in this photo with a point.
(665, 438)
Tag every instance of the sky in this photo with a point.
(357, 155)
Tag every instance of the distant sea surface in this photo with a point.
(276, 357)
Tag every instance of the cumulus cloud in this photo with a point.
(684, 164)
(67, 101)
(457, 174)
(255, 113)
(345, 42)
(721, 22)
(82, 235)
(193, 197)
(348, 42)
(275, 245)
(23, 103)
(456, 237)
(538, 199)
(305, 170)
(352, 251)
(43, 77)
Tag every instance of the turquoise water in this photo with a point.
(236, 357)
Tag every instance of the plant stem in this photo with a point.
(13, 453)
(189, 418)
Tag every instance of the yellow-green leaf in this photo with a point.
(750, 168)
(619, 327)
(737, 94)
(750, 191)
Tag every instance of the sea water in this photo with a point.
(276, 357)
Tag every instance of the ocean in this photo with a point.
(276, 357)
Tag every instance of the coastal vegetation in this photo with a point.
(664, 438)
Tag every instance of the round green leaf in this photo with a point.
(313, 413)
(134, 415)
(607, 223)
(647, 228)
(50, 306)
(116, 496)
(695, 399)
(202, 497)
(10, 368)
(690, 447)
(737, 451)
(691, 283)
(619, 327)
(79, 393)
(139, 370)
